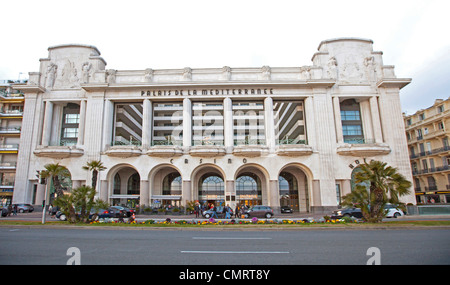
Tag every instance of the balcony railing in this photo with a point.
(250, 142)
(10, 130)
(207, 142)
(359, 141)
(167, 142)
(125, 143)
(431, 170)
(290, 141)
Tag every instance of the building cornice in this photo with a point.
(320, 83)
(393, 82)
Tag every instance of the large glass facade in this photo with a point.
(211, 187)
(207, 123)
(128, 124)
(168, 123)
(248, 189)
(289, 122)
(248, 123)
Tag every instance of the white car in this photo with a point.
(393, 211)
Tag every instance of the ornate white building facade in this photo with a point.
(278, 136)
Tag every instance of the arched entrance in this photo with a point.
(125, 190)
(251, 185)
(293, 189)
(209, 185)
(166, 187)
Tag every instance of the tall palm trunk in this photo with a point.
(94, 178)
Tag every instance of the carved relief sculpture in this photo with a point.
(332, 71)
(305, 73)
(51, 75)
(266, 72)
(370, 65)
(226, 73)
(148, 75)
(86, 68)
(187, 74)
(111, 76)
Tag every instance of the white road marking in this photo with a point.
(234, 252)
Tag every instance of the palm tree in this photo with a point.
(95, 166)
(386, 185)
(55, 171)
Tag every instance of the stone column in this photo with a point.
(337, 120)
(228, 124)
(82, 122)
(187, 123)
(186, 191)
(230, 190)
(274, 196)
(40, 194)
(144, 193)
(47, 123)
(269, 124)
(147, 124)
(376, 119)
(104, 195)
(108, 124)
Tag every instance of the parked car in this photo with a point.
(209, 213)
(286, 209)
(4, 211)
(393, 211)
(116, 210)
(347, 212)
(102, 214)
(259, 212)
(22, 208)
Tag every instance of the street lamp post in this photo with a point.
(46, 198)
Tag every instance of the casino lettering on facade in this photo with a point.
(194, 92)
(276, 136)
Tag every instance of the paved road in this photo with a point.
(184, 247)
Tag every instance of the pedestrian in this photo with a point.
(15, 210)
(227, 212)
(121, 216)
(236, 211)
(197, 210)
(214, 211)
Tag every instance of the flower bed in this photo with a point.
(212, 221)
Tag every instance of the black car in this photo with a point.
(347, 212)
(116, 211)
(286, 209)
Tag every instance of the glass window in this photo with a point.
(248, 123)
(352, 130)
(128, 124)
(133, 185)
(70, 133)
(207, 123)
(351, 122)
(289, 122)
(350, 115)
(72, 119)
(167, 124)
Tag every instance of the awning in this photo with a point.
(166, 197)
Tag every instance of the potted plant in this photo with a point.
(161, 211)
(176, 211)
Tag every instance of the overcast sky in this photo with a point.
(413, 35)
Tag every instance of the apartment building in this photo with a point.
(428, 132)
(11, 112)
